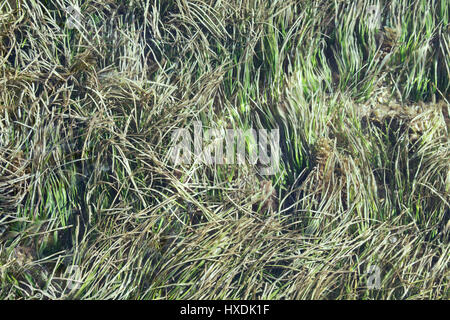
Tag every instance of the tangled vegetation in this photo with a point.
(91, 207)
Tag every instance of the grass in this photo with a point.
(91, 207)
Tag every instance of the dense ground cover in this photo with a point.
(92, 207)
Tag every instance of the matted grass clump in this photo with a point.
(92, 207)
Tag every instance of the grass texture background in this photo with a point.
(91, 206)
